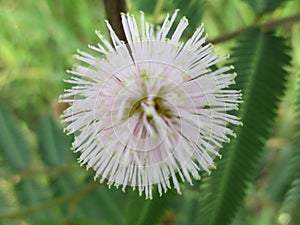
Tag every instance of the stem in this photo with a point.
(270, 25)
(276, 23)
(113, 9)
(25, 212)
(50, 171)
(229, 36)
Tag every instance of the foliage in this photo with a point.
(257, 181)
(257, 114)
(260, 6)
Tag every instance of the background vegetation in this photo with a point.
(256, 182)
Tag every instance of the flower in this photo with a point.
(152, 111)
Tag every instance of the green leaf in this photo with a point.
(192, 10)
(263, 6)
(291, 202)
(54, 145)
(104, 205)
(288, 129)
(145, 6)
(282, 176)
(188, 206)
(259, 59)
(63, 185)
(13, 147)
(4, 206)
(140, 211)
(54, 151)
(30, 193)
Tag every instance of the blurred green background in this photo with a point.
(40, 180)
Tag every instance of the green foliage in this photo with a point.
(146, 6)
(146, 212)
(264, 6)
(281, 177)
(188, 207)
(4, 206)
(257, 181)
(30, 193)
(37, 40)
(291, 203)
(193, 8)
(110, 211)
(54, 145)
(14, 149)
(240, 158)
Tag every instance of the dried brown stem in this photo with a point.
(113, 9)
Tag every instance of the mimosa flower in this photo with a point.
(150, 112)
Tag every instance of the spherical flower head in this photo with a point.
(150, 112)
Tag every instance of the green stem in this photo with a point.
(270, 25)
(25, 212)
(50, 171)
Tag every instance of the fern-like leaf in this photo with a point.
(259, 59)
(104, 205)
(291, 204)
(30, 193)
(147, 212)
(193, 10)
(54, 145)
(13, 147)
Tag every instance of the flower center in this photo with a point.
(151, 107)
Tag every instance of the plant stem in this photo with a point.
(25, 212)
(270, 25)
(50, 171)
(113, 9)
(280, 22)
